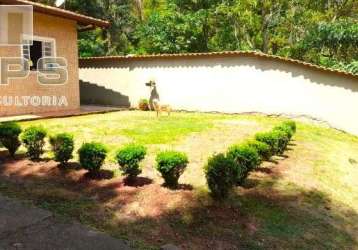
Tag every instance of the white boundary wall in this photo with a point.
(234, 85)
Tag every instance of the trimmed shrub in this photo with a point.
(62, 146)
(246, 158)
(9, 136)
(270, 139)
(221, 174)
(291, 124)
(129, 157)
(143, 104)
(92, 156)
(285, 128)
(171, 165)
(282, 140)
(262, 149)
(34, 141)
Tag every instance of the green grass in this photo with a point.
(116, 129)
(140, 127)
(306, 200)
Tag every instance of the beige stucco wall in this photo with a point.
(234, 84)
(64, 31)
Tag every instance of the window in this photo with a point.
(40, 48)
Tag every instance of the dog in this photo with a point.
(154, 99)
(161, 107)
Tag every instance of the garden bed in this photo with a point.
(303, 199)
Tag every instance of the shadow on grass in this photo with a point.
(260, 217)
(187, 187)
(353, 161)
(284, 156)
(251, 183)
(70, 166)
(251, 220)
(274, 161)
(4, 156)
(264, 170)
(179, 187)
(138, 182)
(102, 174)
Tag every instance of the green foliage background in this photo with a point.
(324, 32)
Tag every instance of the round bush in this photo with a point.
(221, 174)
(62, 146)
(291, 124)
(270, 139)
(92, 156)
(128, 159)
(282, 140)
(262, 149)
(9, 136)
(171, 165)
(285, 128)
(246, 158)
(34, 141)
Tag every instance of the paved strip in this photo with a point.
(29, 228)
(83, 110)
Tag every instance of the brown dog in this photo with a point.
(154, 99)
(161, 107)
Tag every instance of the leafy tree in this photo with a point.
(321, 31)
(172, 32)
(114, 40)
(330, 42)
(91, 44)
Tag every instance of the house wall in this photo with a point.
(65, 33)
(233, 85)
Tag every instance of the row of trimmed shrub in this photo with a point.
(33, 139)
(224, 171)
(170, 164)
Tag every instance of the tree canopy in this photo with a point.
(324, 32)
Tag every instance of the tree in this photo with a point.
(329, 43)
(170, 33)
(117, 38)
(321, 31)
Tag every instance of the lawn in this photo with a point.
(307, 199)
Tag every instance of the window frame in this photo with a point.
(41, 39)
